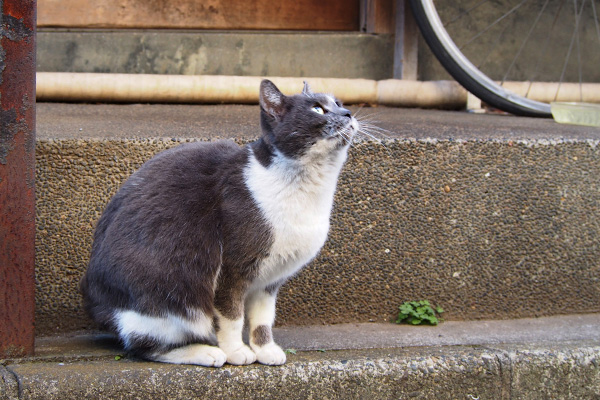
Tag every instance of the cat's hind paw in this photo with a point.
(198, 354)
(242, 356)
(270, 354)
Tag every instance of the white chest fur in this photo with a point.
(295, 197)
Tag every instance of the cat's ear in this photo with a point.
(271, 99)
(307, 91)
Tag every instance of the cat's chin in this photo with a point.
(341, 139)
(341, 142)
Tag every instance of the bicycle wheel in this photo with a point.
(487, 45)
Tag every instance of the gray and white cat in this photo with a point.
(203, 235)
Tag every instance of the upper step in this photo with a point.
(488, 216)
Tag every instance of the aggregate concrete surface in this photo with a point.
(555, 357)
(489, 216)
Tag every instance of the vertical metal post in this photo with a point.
(406, 43)
(17, 176)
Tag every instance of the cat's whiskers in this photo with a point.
(371, 119)
(367, 121)
(369, 131)
(382, 131)
(345, 133)
(368, 115)
(360, 108)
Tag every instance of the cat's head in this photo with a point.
(305, 124)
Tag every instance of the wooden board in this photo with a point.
(338, 15)
(377, 16)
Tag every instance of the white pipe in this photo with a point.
(548, 92)
(145, 88)
(425, 94)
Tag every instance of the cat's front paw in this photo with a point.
(270, 354)
(241, 356)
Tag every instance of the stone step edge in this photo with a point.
(555, 370)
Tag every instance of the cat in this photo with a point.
(203, 235)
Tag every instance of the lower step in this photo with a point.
(556, 357)
(561, 371)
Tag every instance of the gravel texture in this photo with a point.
(461, 372)
(498, 226)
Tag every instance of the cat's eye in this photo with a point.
(318, 110)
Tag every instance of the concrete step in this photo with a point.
(488, 216)
(245, 53)
(543, 358)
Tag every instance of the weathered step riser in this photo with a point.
(217, 53)
(484, 229)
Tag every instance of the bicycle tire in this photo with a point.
(465, 73)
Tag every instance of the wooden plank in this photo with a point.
(377, 16)
(328, 15)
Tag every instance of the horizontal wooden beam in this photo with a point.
(377, 16)
(327, 15)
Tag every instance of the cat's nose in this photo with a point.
(344, 112)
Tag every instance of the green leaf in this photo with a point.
(289, 351)
(401, 317)
(406, 308)
(117, 358)
(423, 310)
(418, 312)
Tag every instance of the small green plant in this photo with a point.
(289, 351)
(419, 312)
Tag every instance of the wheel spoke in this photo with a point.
(545, 48)
(596, 20)
(512, 10)
(579, 52)
(459, 16)
(493, 47)
(514, 60)
(573, 37)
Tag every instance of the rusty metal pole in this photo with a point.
(17, 177)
